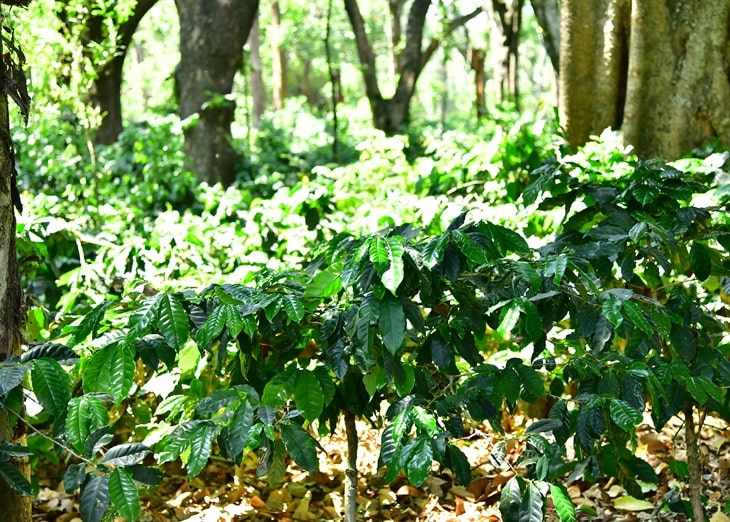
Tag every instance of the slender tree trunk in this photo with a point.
(508, 18)
(107, 89)
(476, 61)
(547, 13)
(351, 471)
(694, 465)
(278, 59)
(334, 75)
(678, 76)
(212, 34)
(15, 508)
(258, 91)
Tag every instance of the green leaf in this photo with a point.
(236, 432)
(10, 450)
(85, 415)
(510, 501)
(326, 283)
(279, 389)
(700, 260)
(695, 388)
(58, 352)
(51, 385)
(215, 402)
(563, 505)
(94, 499)
(173, 321)
(11, 375)
(441, 352)
(392, 323)
(418, 466)
(531, 380)
(378, 251)
(683, 341)
(300, 445)
(126, 454)
(124, 495)
(74, 477)
(533, 322)
(434, 250)
(110, 370)
(611, 310)
(510, 316)
(637, 317)
(294, 307)
(212, 327)
(459, 465)
(624, 415)
(470, 248)
(555, 268)
(533, 504)
(201, 447)
(308, 395)
(234, 320)
(89, 324)
(16, 480)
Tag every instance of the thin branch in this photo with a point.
(453, 26)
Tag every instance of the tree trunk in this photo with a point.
(212, 37)
(694, 464)
(258, 92)
(679, 76)
(15, 508)
(476, 61)
(107, 89)
(593, 59)
(351, 471)
(547, 13)
(278, 60)
(508, 17)
(391, 114)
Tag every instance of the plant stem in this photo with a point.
(351, 471)
(694, 467)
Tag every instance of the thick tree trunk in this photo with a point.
(547, 13)
(258, 92)
(107, 90)
(278, 59)
(592, 81)
(15, 508)
(679, 76)
(212, 37)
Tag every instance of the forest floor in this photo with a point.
(224, 493)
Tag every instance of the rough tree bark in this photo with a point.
(212, 35)
(15, 508)
(391, 114)
(508, 17)
(258, 91)
(659, 69)
(476, 62)
(592, 81)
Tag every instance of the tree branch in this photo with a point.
(453, 26)
(364, 49)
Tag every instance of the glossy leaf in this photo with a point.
(89, 325)
(510, 501)
(625, 417)
(51, 385)
(126, 454)
(533, 504)
(173, 321)
(392, 323)
(700, 260)
(563, 505)
(300, 445)
(308, 395)
(124, 495)
(294, 307)
(94, 500)
(11, 375)
(418, 467)
(110, 370)
(85, 415)
(326, 283)
(13, 478)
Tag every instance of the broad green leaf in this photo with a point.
(89, 325)
(695, 388)
(510, 501)
(51, 385)
(124, 495)
(402, 424)
(441, 352)
(433, 252)
(94, 499)
(300, 445)
(146, 475)
(393, 276)
(555, 268)
(15, 480)
(700, 260)
(308, 395)
(470, 248)
(234, 320)
(11, 375)
(636, 315)
(533, 322)
(418, 467)
(326, 283)
(533, 504)
(505, 239)
(563, 505)
(624, 415)
(85, 414)
(713, 390)
(683, 341)
(280, 388)
(294, 307)
(58, 352)
(392, 323)
(459, 465)
(110, 370)
(611, 310)
(510, 316)
(143, 317)
(378, 250)
(425, 420)
(215, 402)
(531, 380)
(172, 320)
(236, 432)
(126, 454)
(74, 477)
(200, 447)
(10, 450)
(212, 327)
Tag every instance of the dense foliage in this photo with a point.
(454, 277)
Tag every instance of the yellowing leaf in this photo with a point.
(632, 504)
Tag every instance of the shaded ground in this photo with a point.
(224, 493)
